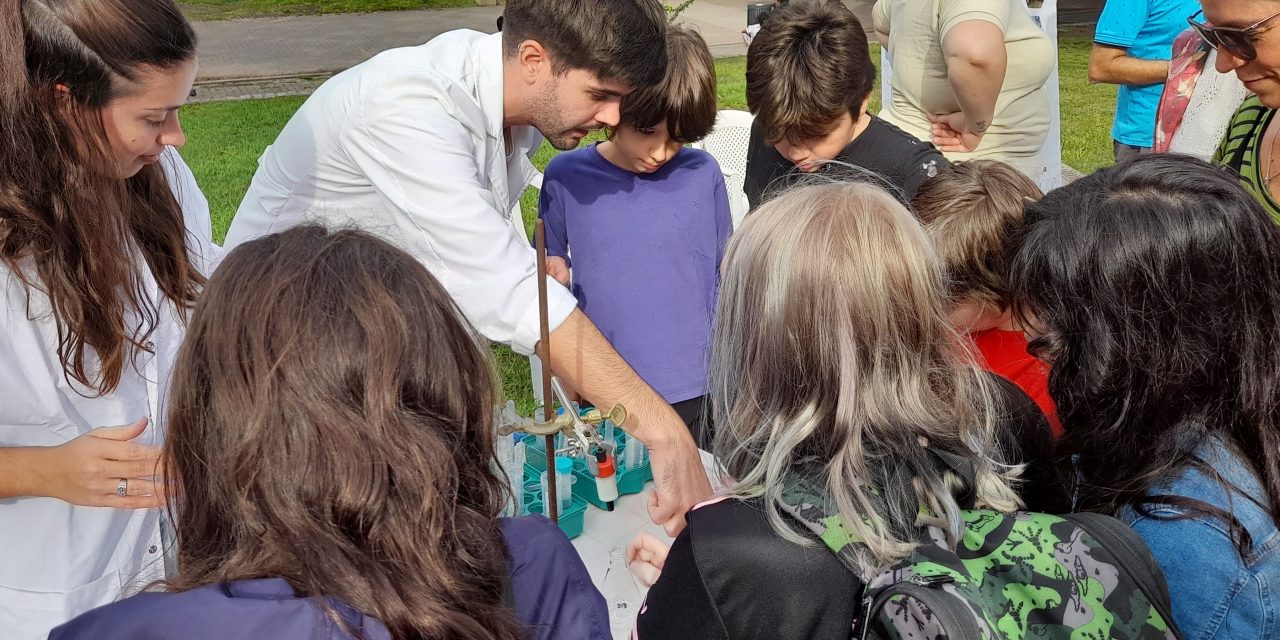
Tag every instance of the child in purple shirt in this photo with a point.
(646, 221)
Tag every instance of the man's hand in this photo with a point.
(584, 359)
(680, 481)
(952, 133)
(558, 268)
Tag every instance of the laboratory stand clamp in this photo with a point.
(582, 438)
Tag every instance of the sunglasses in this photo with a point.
(1237, 41)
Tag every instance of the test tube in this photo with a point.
(564, 481)
(542, 480)
(505, 451)
(516, 477)
(634, 455)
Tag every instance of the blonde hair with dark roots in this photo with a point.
(833, 360)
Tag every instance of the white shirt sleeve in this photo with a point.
(426, 166)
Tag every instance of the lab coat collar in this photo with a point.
(486, 55)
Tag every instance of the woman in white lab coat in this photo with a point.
(104, 237)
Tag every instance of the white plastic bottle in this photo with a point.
(606, 478)
(621, 593)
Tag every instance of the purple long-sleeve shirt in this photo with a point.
(552, 592)
(646, 251)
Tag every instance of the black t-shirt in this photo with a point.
(730, 576)
(883, 148)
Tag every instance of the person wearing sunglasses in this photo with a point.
(1242, 32)
(1131, 48)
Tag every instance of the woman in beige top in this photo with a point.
(969, 75)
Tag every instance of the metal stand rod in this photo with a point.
(552, 506)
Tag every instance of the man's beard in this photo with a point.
(548, 121)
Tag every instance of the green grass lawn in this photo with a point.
(225, 140)
(227, 9)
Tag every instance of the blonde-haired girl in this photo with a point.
(837, 384)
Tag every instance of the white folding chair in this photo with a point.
(728, 145)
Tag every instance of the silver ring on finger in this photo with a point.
(122, 487)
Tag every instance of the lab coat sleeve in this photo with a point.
(425, 165)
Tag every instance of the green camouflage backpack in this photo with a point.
(1083, 576)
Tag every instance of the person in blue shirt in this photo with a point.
(1131, 47)
(640, 222)
(330, 462)
(1154, 290)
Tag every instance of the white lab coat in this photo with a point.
(409, 145)
(58, 560)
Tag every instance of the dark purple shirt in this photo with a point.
(553, 596)
(646, 257)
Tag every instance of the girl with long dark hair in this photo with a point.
(331, 439)
(104, 237)
(1154, 287)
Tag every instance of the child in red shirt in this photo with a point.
(971, 210)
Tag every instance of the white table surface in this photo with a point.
(602, 530)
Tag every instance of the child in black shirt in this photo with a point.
(809, 79)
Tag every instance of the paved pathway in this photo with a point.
(300, 45)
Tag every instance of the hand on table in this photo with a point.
(952, 133)
(646, 556)
(87, 470)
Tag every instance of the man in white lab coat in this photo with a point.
(430, 146)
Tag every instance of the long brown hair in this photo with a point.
(331, 423)
(68, 226)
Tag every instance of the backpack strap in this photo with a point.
(810, 506)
